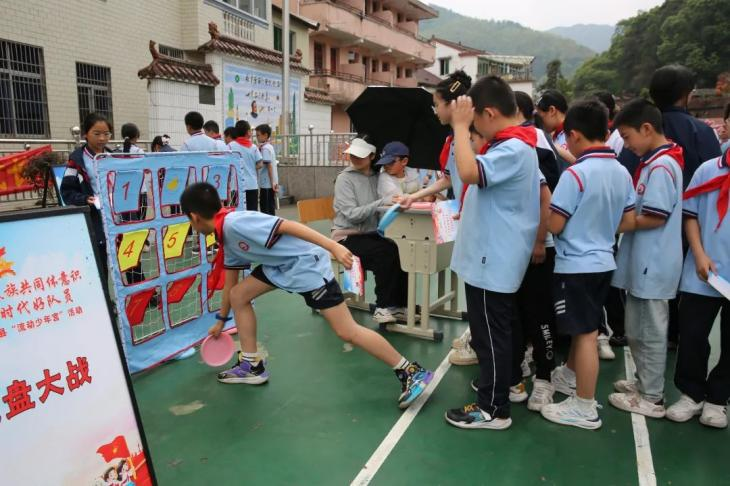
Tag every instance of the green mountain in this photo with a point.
(505, 37)
(594, 36)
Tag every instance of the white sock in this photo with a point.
(585, 405)
(252, 358)
(402, 364)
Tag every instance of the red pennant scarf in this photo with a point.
(245, 141)
(558, 130)
(216, 278)
(445, 151)
(674, 151)
(527, 134)
(719, 183)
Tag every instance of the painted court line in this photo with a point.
(371, 467)
(644, 462)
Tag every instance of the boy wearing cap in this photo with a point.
(355, 225)
(396, 178)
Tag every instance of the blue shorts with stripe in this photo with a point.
(578, 301)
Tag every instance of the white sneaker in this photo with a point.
(383, 315)
(714, 416)
(562, 382)
(526, 369)
(635, 403)
(542, 394)
(626, 386)
(399, 313)
(568, 412)
(462, 341)
(517, 393)
(463, 356)
(684, 409)
(604, 349)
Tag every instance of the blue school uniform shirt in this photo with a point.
(292, 264)
(199, 142)
(268, 156)
(250, 156)
(593, 195)
(715, 241)
(649, 262)
(453, 174)
(502, 214)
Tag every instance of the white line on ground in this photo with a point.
(644, 462)
(391, 440)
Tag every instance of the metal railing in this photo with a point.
(339, 75)
(324, 150)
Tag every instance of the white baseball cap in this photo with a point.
(360, 148)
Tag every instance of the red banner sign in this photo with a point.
(11, 170)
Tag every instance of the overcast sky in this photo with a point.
(545, 14)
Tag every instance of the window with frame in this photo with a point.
(94, 89)
(398, 72)
(445, 66)
(386, 67)
(254, 8)
(206, 95)
(279, 40)
(409, 73)
(23, 101)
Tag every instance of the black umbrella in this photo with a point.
(404, 115)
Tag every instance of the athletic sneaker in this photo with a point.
(568, 412)
(635, 403)
(463, 356)
(244, 373)
(542, 394)
(527, 362)
(400, 313)
(462, 341)
(604, 349)
(414, 379)
(626, 386)
(561, 382)
(684, 409)
(382, 315)
(472, 417)
(518, 393)
(714, 416)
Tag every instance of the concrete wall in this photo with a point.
(308, 182)
(320, 116)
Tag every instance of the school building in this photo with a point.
(452, 56)
(151, 61)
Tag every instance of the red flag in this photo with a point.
(179, 288)
(137, 306)
(216, 278)
(11, 169)
(116, 449)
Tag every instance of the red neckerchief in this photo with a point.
(719, 183)
(673, 150)
(558, 130)
(216, 278)
(216, 136)
(245, 141)
(610, 125)
(445, 151)
(526, 134)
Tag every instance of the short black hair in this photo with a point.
(525, 104)
(211, 126)
(229, 132)
(670, 84)
(493, 92)
(608, 100)
(588, 117)
(200, 198)
(265, 129)
(552, 97)
(194, 120)
(637, 112)
(242, 128)
(455, 85)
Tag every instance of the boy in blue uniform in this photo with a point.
(649, 261)
(708, 232)
(213, 131)
(198, 141)
(592, 199)
(502, 211)
(268, 173)
(250, 162)
(291, 257)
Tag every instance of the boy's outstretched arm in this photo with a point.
(298, 230)
(703, 262)
(440, 185)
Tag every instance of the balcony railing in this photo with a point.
(339, 75)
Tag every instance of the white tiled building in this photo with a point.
(452, 56)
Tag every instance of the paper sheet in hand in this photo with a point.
(444, 224)
(720, 284)
(353, 279)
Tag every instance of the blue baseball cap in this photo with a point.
(391, 151)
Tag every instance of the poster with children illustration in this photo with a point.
(254, 95)
(67, 410)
